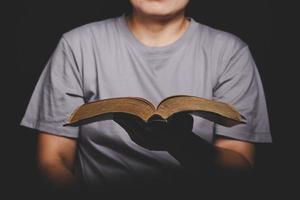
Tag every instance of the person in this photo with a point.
(153, 52)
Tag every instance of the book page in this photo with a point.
(180, 103)
(131, 105)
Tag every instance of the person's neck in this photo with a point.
(156, 31)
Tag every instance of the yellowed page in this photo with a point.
(132, 105)
(181, 103)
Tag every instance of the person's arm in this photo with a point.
(193, 152)
(234, 154)
(55, 157)
(225, 154)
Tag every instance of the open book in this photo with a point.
(218, 112)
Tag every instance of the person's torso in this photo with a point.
(114, 63)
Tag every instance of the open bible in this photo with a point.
(218, 112)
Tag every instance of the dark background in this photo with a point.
(38, 25)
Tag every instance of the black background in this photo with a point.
(38, 25)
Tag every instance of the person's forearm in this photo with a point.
(57, 175)
(231, 160)
(195, 153)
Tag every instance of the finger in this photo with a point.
(133, 122)
(181, 121)
(130, 126)
(133, 131)
(136, 130)
(139, 131)
(129, 119)
(156, 127)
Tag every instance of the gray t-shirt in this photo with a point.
(104, 59)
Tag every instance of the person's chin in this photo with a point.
(159, 14)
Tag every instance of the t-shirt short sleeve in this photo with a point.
(57, 93)
(239, 84)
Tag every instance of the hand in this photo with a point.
(156, 135)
